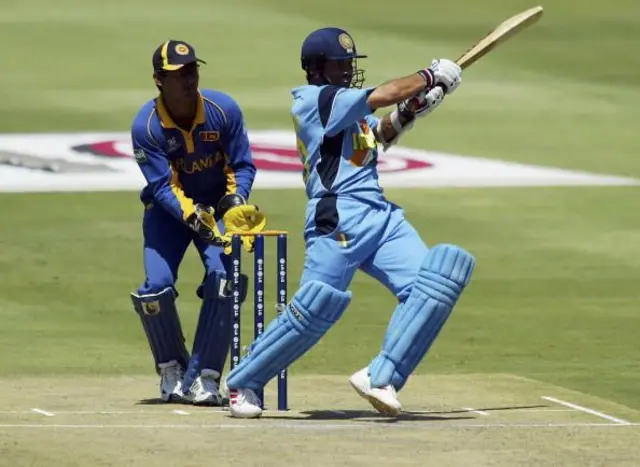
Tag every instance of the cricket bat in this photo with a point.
(501, 33)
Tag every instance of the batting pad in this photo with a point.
(416, 323)
(312, 311)
(161, 324)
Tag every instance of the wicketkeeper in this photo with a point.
(193, 150)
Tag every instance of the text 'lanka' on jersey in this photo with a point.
(336, 142)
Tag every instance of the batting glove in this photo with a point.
(447, 74)
(421, 105)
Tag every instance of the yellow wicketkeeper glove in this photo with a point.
(240, 217)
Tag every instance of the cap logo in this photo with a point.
(182, 49)
(346, 42)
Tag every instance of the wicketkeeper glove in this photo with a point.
(240, 217)
(204, 224)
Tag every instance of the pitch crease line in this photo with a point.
(619, 421)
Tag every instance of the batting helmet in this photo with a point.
(328, 44)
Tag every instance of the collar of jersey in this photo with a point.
(167, 122)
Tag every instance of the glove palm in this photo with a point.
(245, 218)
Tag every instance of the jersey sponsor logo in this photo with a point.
(173, 145)
(106, 161)
(140, 156)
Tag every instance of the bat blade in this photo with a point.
(501, 33)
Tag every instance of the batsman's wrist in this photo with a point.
(428, 76)
(404, 112)
(398, 122)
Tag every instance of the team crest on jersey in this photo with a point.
(209, 136)
(346, 42)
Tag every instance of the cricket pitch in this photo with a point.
(454, 420)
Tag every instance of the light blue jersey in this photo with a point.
(336, 144)
(349, 223)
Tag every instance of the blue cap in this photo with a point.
(328, 44)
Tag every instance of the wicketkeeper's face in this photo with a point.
(182, 83)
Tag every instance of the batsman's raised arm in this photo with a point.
(416, 96)
(397, 90)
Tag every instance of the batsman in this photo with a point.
(193, 150)
(350, 226)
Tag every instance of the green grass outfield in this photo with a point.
(554, 296)
(556, 291)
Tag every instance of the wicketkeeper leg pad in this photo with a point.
(314, 308)
(213, 332)
(416, 323)
(162, 326)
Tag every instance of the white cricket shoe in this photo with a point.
(244, 403)
(171, 375)
(205, 390)
(383, 399)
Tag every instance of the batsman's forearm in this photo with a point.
(397, 90)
